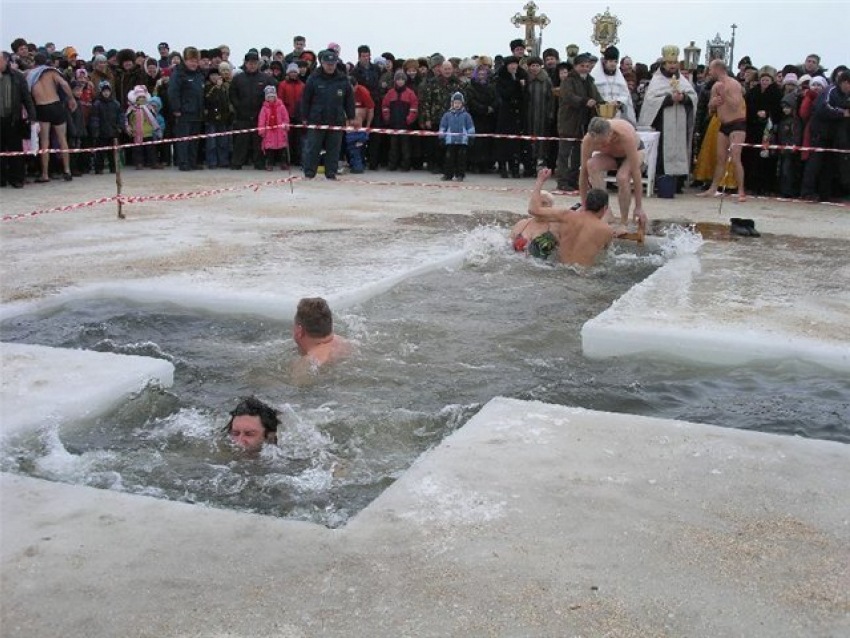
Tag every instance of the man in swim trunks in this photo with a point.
(581, 234)
(44, 83)
(252, 423)
(534, 236)
(727, 100)
(612, 145)
(313, 333)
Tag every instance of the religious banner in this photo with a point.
(605, 29)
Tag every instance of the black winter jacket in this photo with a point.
(247, 93)
(20, 97)
(327, 99)
(186, 93)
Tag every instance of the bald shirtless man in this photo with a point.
(617, 147)
(45, 82)
(581, 234)
(314, 336)
(727, 100)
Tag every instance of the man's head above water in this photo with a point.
(252, 423)
(313, 322)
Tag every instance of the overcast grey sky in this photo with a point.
(771, 32)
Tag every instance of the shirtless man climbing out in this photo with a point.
(618, 148)
(581, 234)
(45, 83)
(313, 334)
(727, 100)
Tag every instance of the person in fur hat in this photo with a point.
(511, 119)
(141, 124)
(273, 124)
(127, 76)
(764, 111)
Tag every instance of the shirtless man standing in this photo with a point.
(45, 83)
(727, 100)
(581, 234)
(619, 148)
(314, 336)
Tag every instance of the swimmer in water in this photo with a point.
(313, 334)
(581, 234)
(252, 423)
(533, 235)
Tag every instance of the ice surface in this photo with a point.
(725, 308)
(42, 384)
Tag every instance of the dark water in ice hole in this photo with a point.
(431, 352)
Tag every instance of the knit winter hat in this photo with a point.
(805, 78)
(790, 78)
(270, 90)
(789, 100)
(99, 58)
(104, 85)
(381, 62)
(400, 75)
(292, 68)
(457, 95)
(136, 92)
(820, 80)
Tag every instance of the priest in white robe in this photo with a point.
(669, 106)
(612, 85)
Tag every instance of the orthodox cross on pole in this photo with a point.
(530, 20)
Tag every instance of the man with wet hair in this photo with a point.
(581, 234)
(252, 423)
(313, 333)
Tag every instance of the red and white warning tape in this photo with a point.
(318, 127)
(381, 131)
(138, 199)
(796, 149)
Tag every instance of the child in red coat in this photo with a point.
(290, 91)
(273, 116)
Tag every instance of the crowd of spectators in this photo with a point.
(123, 96)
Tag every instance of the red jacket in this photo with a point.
(807, 108)
(290, 94)
(362, 99)
(400, 108)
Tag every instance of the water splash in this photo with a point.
(90, 468)
(482, 243)
(680, 240)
